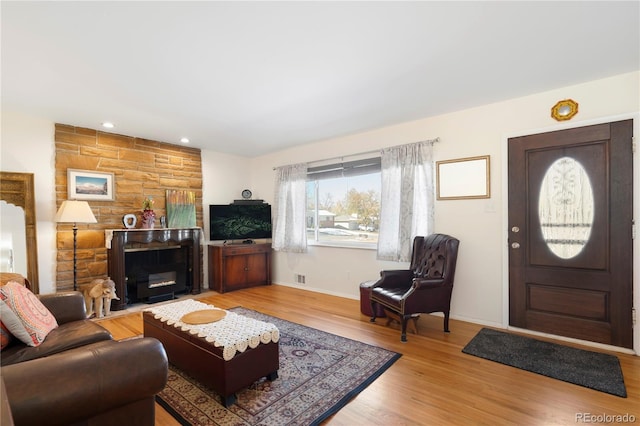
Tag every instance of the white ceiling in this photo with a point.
(249, 78)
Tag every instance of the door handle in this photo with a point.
(515, 245)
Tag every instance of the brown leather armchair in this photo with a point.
(423, 288)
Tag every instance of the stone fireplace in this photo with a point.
(152, 265)
(142, 168)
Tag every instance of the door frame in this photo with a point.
(636, 217)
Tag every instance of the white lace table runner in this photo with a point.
(234, 333)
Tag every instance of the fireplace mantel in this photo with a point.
(118, 241)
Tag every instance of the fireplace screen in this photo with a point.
(156, 274)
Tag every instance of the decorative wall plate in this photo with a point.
(129, 221)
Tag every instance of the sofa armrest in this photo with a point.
(85, 382)
(5, 411)
(66, 306)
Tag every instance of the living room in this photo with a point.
(478, 223)
(481, 288)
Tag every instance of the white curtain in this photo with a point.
(289, 219)
(407, 199)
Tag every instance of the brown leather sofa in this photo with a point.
(74, 330)
(79, 375)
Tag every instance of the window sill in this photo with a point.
(360, 246)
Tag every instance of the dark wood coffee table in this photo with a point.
(202, 360)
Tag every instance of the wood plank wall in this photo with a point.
(142, 168)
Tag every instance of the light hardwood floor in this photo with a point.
(433, 383)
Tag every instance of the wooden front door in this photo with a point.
(570, 233)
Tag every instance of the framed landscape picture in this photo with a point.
(89, 185)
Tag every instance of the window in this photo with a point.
(343, 203)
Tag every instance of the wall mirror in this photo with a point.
(17, 190)
(564, 110)
(463, 178)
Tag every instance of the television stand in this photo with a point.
(237, 266)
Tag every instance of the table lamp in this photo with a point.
(72, 211)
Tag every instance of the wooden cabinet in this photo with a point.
(236, 266)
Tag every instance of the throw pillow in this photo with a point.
(24, 315)
(5, 336)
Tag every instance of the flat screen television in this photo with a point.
(239, 221)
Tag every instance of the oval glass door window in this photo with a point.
(566, 207)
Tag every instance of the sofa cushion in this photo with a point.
(67, 336)
(24, 315)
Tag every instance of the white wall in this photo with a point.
(27, 145)
(223, 179)
(478, 291)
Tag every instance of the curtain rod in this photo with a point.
(362, 153)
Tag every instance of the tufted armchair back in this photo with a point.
(434, 256)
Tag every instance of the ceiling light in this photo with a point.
(184, 140)
(108, 125)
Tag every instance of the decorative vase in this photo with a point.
(148, 219)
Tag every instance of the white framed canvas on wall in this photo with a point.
(463, 178)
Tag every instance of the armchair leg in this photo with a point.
(404, 320)
(403, 336)
(446, 322)
(374, 307)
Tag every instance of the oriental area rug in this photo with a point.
(593, 370)
(319, 373)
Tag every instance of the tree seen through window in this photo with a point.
(344, 210)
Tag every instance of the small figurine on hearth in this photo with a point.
(98, 296)
(148, 215)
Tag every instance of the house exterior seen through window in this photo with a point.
(343, 204)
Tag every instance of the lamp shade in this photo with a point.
(75, 212)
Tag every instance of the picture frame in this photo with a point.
(181, 208)
(463, 178)
(89, 185)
